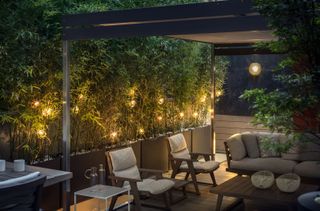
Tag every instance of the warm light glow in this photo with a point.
(195, 114)
(133, 103)
(47, 112)
(181, 114)
(41, 133)
(113, 134)
(141, 131)
(76, 109)
(161, 101)
(132, 92)
(255, 69)
(218, 93)
(35, 103)
(81, 96)
(159, 118)
(210, 110)
(203, 99)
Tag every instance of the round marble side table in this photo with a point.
(306, 202)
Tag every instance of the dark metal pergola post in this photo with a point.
(66, 124)
(213, 97)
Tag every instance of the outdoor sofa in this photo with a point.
(246, 154)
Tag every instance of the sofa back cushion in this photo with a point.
(251, 143)
(267, 142)
(236, 147)
(304, 151)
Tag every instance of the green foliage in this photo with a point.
(117, 85)
(295, 106)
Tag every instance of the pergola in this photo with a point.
(232, 27)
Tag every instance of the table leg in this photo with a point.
(75, 202)
(219, 202)
(129, 200)
(66, 195)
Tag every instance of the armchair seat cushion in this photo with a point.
(207, 166)
(155, 186)
(309, 169)
(275, 165)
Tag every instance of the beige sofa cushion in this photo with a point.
(236, 147)
(177, 142)
(275, 165)
(251, 143)
(308, 169)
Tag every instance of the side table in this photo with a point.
(102, 192)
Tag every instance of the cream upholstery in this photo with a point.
(177, 143)
(132, 173)
(123, 159)
(184, 154)
(155, 186)
(208, 165)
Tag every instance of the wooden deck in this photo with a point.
(205, 202)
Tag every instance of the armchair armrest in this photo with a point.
(150, 172)
(180, 160)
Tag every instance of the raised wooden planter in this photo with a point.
(201, 140)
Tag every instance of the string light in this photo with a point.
(203, 99)
(195, 114)
(141, 131)
(133, 103)
(132, 92)
(81, 96)
(255, 69)
(159, 118)
(47, 112)
(41, 133)
(181, 114)
(161, 101)
(35, 103)
(113, 134)
(76, 109)
(218, 93)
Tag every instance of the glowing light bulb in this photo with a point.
(203, 99)
(210, 110)
(35, 103)
(159, 118)
(132, 92)
(81, 96)
(113, 134)
(255, 69)
(218, 93)
(47, 112)
(41, 133)
(195, 114)
(133, 103)
(161, 101)
(76, 109)
(181, 114)
(141, 131)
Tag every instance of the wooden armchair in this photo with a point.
(143, 182)
(184, 161)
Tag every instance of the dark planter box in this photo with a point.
(155, 154)
(51, 199)
(201, 140)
